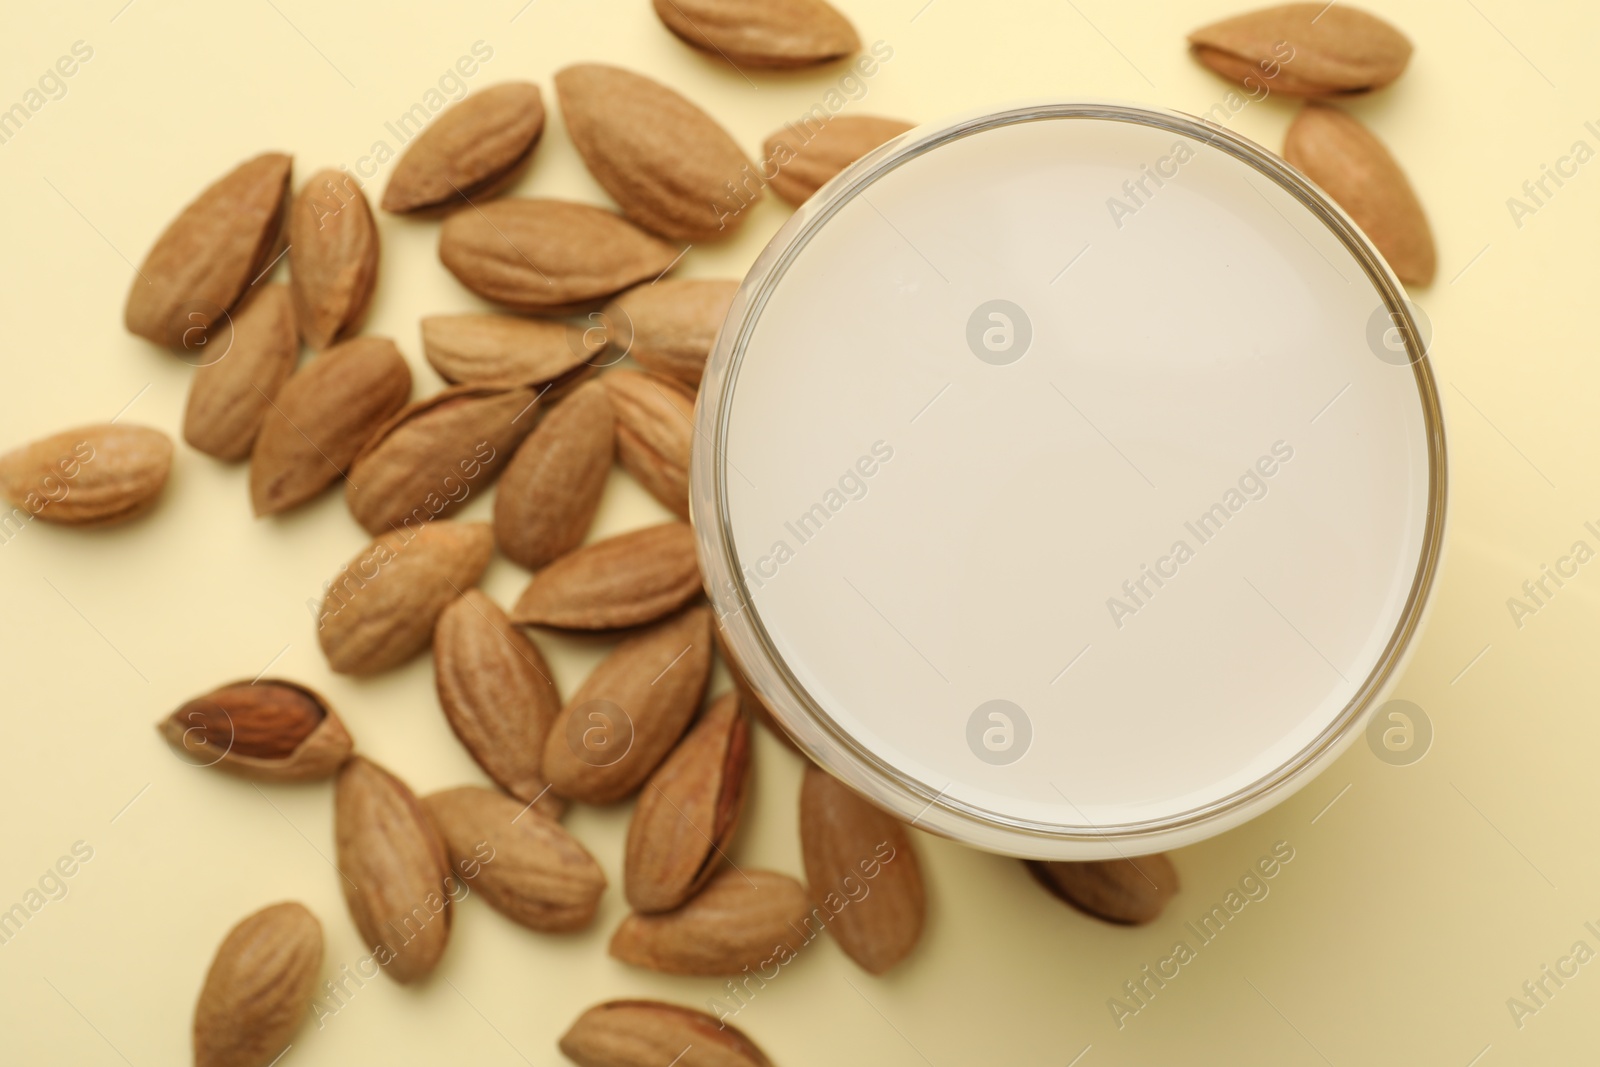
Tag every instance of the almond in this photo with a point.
(626, 580)
(631, 710)
(806, 158)
(259, 989)
(471, 151)
(668, 165)
(497, 695)
(655, 434)
(1352, 166)
(333, 257)
(231, 395)
(650, 1033)
(322, 417)
(689, 811)
(380, 609)
(552, 487)
(669, 327)
(762, 33)
(548, 255)
(1304, 49)
(272, 730)
(396, 874)
(526, 866)
(90, 476)
(847, 843)
(505, 349)
(1129, 891)
(742, 918)
(207, 256)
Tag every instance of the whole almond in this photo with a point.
(655, 433)
(322, 417)
(333, 257)
(1304, 49)
(506, 349)
(230, 396)
(548, 255)
(525, 865)
(552, 487)
(669, 165)
(497, 695)
(395, 871)
(626, 580)
(742, 918)
(806, 156)
(89, 476)
(1129, 891)
(689, 811)
(1352, 166)
(259, 989)
(762, 33)
(669, 327)
(430, 459)
(650, 1033)
(848, 843)
(209, 254)
(471, 151)
(381, 607)
(268, 729)
(630, 711)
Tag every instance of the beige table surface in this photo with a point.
(1419, 899)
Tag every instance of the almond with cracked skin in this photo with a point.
(626, 580)
(549, 256)
(655, 433)
(471, 151)
(669, 327)
(506, 348)
(89, 476)
(526, 866)
(273, 730)
(333, 257)
(207, 256)
(381, 607)
(552, 487)
(1352, 166)
(742, 918)
(396, 873)
(230, 396)
(1127, 891)
(806, 159)
(321, 418)
(651, 1033)
(1304, 49)
(259, 989)
(631, 710)
(667, 163)
(762, 33)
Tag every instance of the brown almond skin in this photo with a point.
(526, 866)
(689, 811)
(505, 348)
(230, 397)
(321, 418)
(395, 871)
(806, 158)
(207, 256)
(762, 33)
(669, 327)
(271, 730)
(497, 695)
(655, 434)
(89, 476)
(549, 255)
(742, 918)
(639, 700)
(552, 487)
(848, 843)
(381, 607)
(333, 257)
(650, 1033)
(1131, 892)
(259, 989)
(473, 150)
(626, 580)
(665, 162)
(1337, 152)
(1309, 49)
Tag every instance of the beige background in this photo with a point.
(1415, 905)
